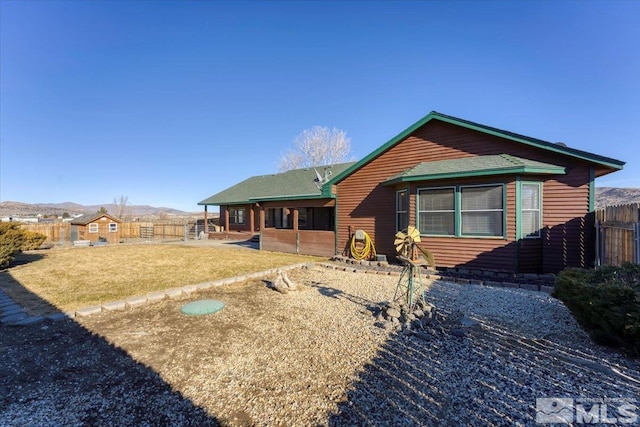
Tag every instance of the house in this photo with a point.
(482, 198)
(98, 227)
(289, 209)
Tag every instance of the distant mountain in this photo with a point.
(31, 209)
(609, 196)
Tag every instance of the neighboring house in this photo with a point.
(96, 227)
(482, 198)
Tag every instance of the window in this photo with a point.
(462, 211)
(530, 212)
(113, 227)
(93, 228)
(402, 210)
(236, 215)
(436, 211)
(481, 211)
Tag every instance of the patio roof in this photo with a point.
(294, 184)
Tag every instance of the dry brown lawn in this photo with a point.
(67, 279)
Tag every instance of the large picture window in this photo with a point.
(436, 211)
(236, 215)
(463, 211)
(481, 211)
(530, 210)
(402, 209)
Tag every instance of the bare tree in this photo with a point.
(317, 146)
(121, 205)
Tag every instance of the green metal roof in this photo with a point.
(294, 184)
(500, 164)
(602, 161)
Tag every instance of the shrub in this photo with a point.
(606, 302)
(14, 239)
(11, 239)
(32, 240)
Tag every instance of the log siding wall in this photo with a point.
(568, 230)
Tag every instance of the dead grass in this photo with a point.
(67, 279)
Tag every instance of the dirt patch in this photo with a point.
(265, 359)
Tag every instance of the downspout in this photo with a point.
(519, 225)
(335, 226)
(592, 216)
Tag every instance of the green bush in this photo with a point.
(32, 240)
(14, 239)
(606, 302)
(11, 240)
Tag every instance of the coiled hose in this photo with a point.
(366, 251)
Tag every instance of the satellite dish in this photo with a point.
(321, 180)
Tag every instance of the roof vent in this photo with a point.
(561, 144)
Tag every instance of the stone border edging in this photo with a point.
(491, 283)
(12, 314)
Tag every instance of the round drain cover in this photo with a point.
(202, 307)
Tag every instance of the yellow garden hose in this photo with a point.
(365, 251)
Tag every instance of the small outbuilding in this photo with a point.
(100, 227)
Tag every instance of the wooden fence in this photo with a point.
(61, 232)
(618, 234)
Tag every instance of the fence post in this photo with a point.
(598, 259)
(636, 237)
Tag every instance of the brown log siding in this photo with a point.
(304, 242)
(364, 203)
(224, 211)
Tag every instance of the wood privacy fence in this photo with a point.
(61, 232)
(618, 234)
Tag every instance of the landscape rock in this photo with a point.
(457, 332)
(282, 283)
(393, 313)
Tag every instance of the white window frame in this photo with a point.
(237, 216)
(538, 233)
(113, 227)
(93, 227)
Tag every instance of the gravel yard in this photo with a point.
(310, 357)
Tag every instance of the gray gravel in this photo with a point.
(314, 357)
(527, 346)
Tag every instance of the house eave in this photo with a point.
(602, 161)
(529, 170)
(267, 199)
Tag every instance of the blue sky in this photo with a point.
(169, 102)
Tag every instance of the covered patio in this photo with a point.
(289, 212)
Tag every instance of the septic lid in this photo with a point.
(202, 307)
